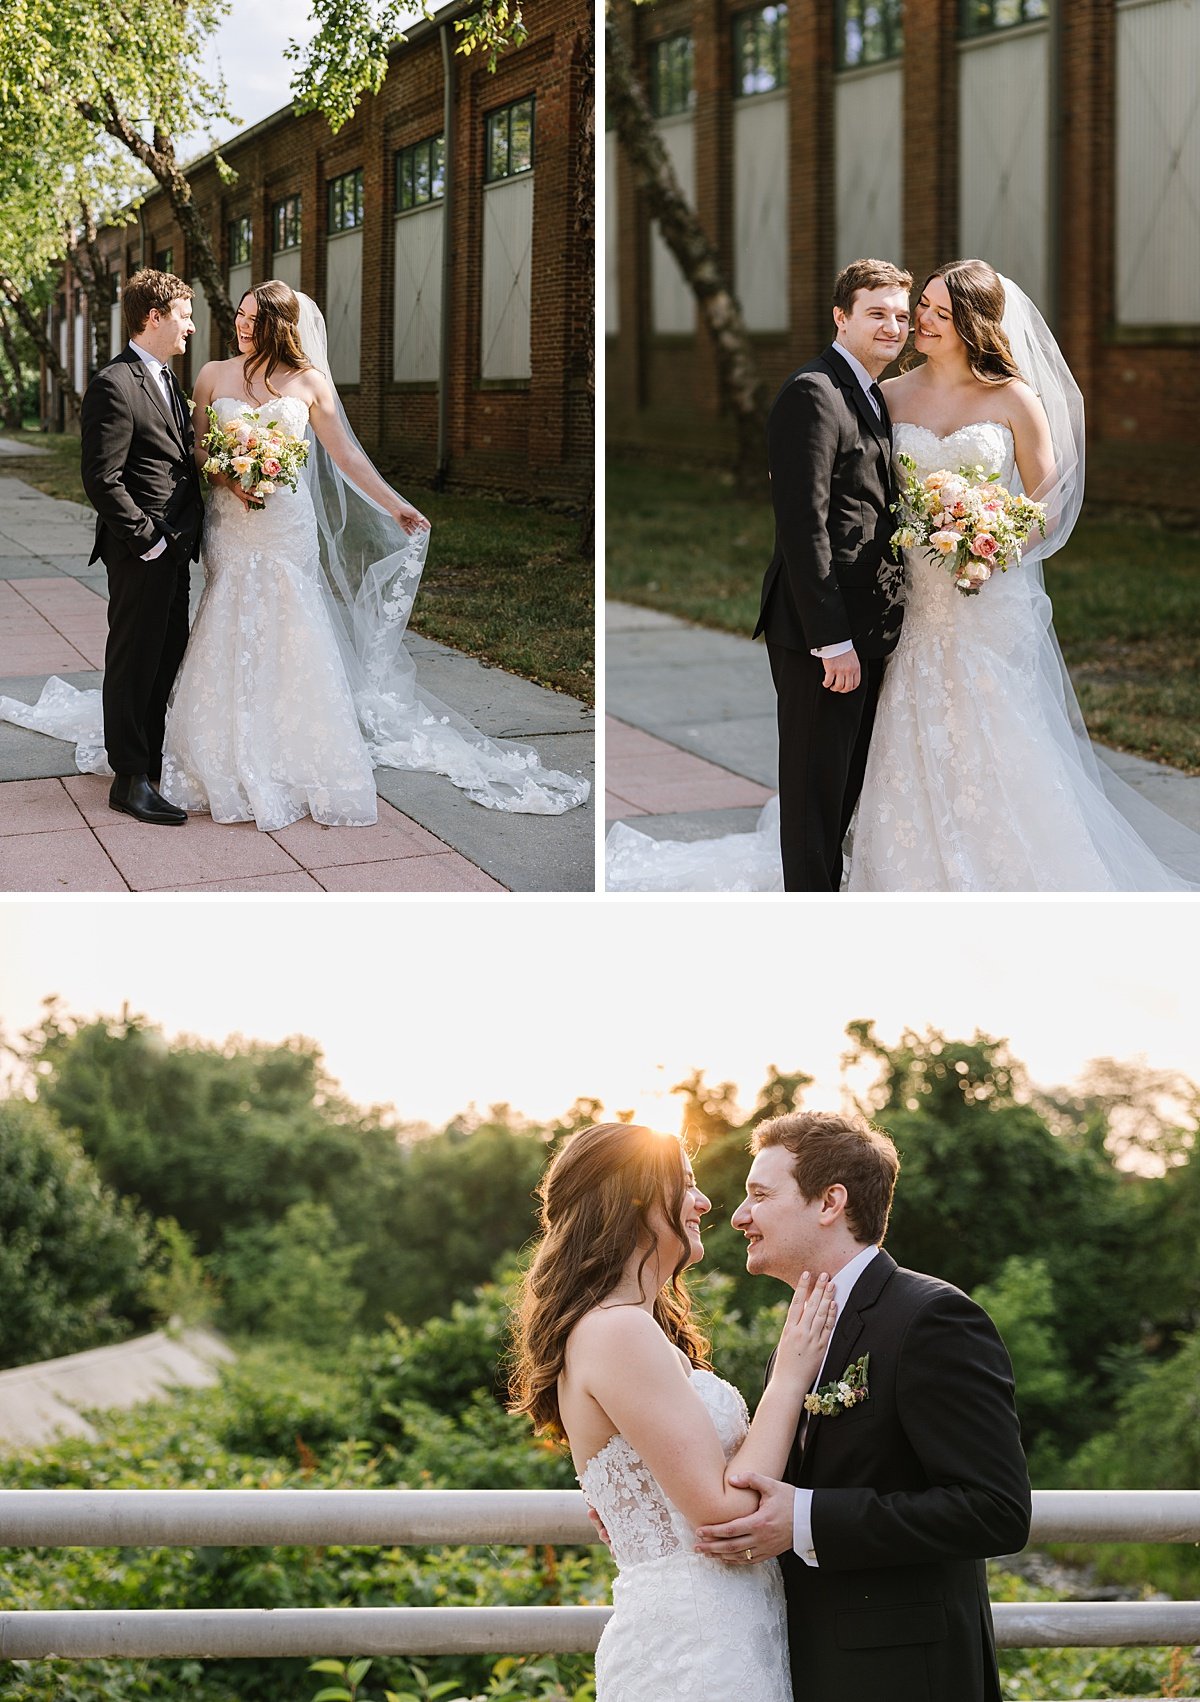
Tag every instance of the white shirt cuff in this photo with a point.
(802, 1538)
(156, 551)
(835, 649)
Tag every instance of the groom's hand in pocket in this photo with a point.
(763, 1533)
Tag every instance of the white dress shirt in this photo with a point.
(865, 380)
(843, 1283)
(162, 377)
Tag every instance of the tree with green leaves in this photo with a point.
(71, 1251)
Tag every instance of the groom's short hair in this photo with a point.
(867, 275)
(827, 1148)
(149, 289)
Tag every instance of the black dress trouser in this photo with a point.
(823, 740)
(147, 636)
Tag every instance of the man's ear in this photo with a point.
(833, 1202)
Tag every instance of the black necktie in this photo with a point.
(877, 398)
(176, 403)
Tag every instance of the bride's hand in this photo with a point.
(807, 1329)
(409, 517)
(238, 489)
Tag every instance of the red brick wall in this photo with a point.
(1144, 426)
(533, 439)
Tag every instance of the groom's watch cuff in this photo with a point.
(802, 1537)
(831, 650)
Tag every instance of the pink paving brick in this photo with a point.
(671, 780)
(620, 739)
(299, 882)
(36, 806)
(165, 858)
(67, 861)
(447, 873)
(393, 836)
(616, 807)
(89, 794)
(43, 653)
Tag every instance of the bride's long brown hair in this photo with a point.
(977, 308)
(276, 334)
(598, 1196)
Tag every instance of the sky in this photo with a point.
(249, 47)
(432, 1006)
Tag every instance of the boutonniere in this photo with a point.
(845, 1391)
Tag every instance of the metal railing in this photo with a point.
(170, 1518)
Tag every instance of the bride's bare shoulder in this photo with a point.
(1022, 401)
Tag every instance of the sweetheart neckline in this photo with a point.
(261, 405)
(957, 432)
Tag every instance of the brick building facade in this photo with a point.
(1055, 137)
(360, 221)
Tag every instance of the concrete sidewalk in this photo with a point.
(57, 833)
(691, 739)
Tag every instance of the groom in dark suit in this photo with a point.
(911, 1472)
(140, 475)
(830, 611)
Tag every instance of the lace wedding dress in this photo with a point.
(262, 724)
(978, 779)
(683, 1625)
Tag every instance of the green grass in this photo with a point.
(1126, 598)
(504, 582)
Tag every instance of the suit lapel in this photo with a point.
(857, 396)
(847, 1330)
(154, 390)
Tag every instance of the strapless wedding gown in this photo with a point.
(262, 725)
(685, 1628)
(980, 775)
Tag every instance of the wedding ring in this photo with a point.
(749, 1554)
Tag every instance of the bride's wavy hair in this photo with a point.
(276, 333)
(597, 1199)
(977, 308)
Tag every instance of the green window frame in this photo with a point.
(285, 223)
(508, 140)
(421, 174)
(240, 237)
(985, 17)
(869, 32)
(760, 51)
(672, 80)
(346, 201)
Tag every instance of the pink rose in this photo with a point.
(271, 468)
(984, 546)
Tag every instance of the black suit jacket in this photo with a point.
(912, 1488)
(832, 488)
(139, 473)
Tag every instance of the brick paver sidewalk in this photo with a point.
(57, 833)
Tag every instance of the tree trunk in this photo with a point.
(585, 225)
(158, 157)
(741, 384)
(14, 412)
(31, 323)
(95, 274)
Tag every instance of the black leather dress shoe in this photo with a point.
(135, 796)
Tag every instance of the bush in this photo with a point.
(71, 1252)
(290, 1279)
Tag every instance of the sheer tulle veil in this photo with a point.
(371, 570)
(750, 861)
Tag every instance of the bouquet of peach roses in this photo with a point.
(260, 457)
(966, 520)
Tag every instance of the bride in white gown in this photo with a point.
(980, 775)
(607, 1357)
(296, 682)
